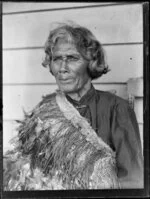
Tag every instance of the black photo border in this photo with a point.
(141, 193)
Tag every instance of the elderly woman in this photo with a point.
(78, 137)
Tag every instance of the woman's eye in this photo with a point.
(56, 59)
(69, 58)
(72, 58)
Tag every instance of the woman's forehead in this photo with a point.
(63, 45)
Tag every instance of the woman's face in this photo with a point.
(69, 67)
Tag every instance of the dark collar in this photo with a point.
(85, 99)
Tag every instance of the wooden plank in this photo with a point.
(138, 108)
(24, 66)
(135, 87)
(15, 98)
(110, 24)
(20, 6)
(141, 134)
(125, 62)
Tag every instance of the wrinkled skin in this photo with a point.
(70, 69)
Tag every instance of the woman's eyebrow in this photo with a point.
(67, 54)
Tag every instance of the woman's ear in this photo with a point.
(92, 65)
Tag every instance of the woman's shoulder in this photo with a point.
(111, 99)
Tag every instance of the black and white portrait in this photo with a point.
(73, 96)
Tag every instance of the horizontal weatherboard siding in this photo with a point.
(25, 28)
(27, 96)
(25, 66)
(109, 24)
(19, 7)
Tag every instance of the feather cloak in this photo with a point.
(56, 149)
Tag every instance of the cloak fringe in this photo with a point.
(56, 148)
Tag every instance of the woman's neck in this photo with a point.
(79, 94)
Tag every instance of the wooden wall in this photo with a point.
(26, 26)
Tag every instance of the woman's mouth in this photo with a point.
(65, 80)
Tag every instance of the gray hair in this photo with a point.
(86, 43)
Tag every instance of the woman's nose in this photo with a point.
(64, 66)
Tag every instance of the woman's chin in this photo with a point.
(67, 88)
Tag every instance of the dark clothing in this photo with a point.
(115, 122)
